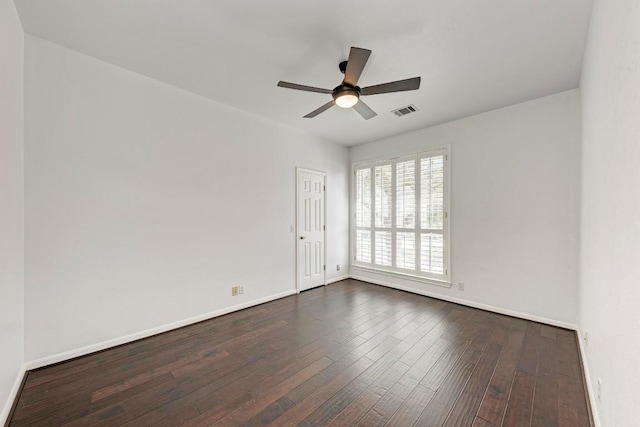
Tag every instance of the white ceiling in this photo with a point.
(473, 56)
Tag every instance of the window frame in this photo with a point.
(414, 275)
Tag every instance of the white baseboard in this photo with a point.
(337, 279)
(60, 357)
(587, 380)
(469, 303)
(13, 394)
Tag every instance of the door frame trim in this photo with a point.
(297, 269)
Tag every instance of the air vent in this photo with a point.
(403, 111)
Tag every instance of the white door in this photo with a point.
(311, 228)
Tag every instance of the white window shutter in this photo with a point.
(383, 196)
(406, 194)
(432, 213)
(363, 198)
(401, 223)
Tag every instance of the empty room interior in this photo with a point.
(320, 213)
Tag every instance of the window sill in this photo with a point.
(411, 277)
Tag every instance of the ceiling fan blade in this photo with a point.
(322, 109)
(364, 110)
(358, 58)
(303, 87)
(397, 86)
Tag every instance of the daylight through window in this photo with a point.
(400, 215)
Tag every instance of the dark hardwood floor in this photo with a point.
(346, 354)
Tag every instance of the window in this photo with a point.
(401, 221)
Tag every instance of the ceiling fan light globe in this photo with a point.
(346, 100)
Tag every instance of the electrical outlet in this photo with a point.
(338, 267)
(240, 290)
(599, 389)
(234, 291)
(461, 286)
(586, 338)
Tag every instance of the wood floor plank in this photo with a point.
(393, 398)
(310, 386)
(480, 337)
(572, 405)
(411, 356)
(307, 406)
(548, 331)
(436, 375)
(479, 422)
(172, 367)
(359, 408)
(78, 408)
(495, 400)
(214, 384)
(412, 407)
(270, 413)
(437, 411)
(529, 357)
(377, 379)
(465, 409)
(518, 411)
(172, 418)
(381, 387)
(501, 332)
(545, 401)
(265, 394)
(346, 354)
(292, 369)
(568, 362)
(46, 377)
(82, 383)
(212, 396)
(356, 409)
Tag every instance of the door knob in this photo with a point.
(302, 237)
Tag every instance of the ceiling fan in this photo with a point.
(348, 93)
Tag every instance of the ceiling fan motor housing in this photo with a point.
(345, 89)
(346, 96)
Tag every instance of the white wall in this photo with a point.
(11, 205)
(514, 205)
(610, 235)
(146, 203)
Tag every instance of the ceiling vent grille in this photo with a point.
(403, 111)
